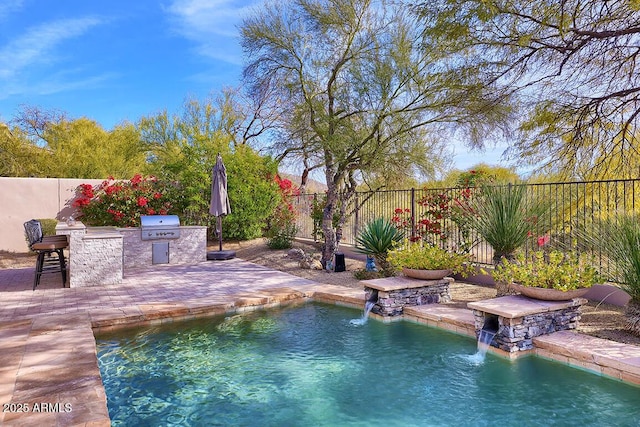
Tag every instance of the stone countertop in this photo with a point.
(400, 282)
(65, 228)
(513, 306)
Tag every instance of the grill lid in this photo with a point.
(154, 227)
(159, 221)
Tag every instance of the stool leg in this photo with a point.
(39, 264)
(63, 266)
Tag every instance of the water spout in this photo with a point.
(485, 338)
(486, 335)
(484, 341)
(368, 306)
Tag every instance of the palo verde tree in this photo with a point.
(572, 64)
(183, 147)
(18, 156)
(53, 145)
(352, 92)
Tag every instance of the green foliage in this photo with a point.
(553, 270)
(184, 148)
(253, 195)
(619, 239)
(48, 226)
(283, 239)
(427, 257)
(575, 112)
(281, 226)
(50, 145)
(505, 217)
(83, 149)
(18, 156)
(354, 93)
(367, 275)
(377, 239)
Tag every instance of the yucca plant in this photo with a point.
(377, 239)
(619, 240)
(505, 217)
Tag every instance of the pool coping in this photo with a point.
(50, 369)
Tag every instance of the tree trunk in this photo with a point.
(329, 246)
(632, 314)
(384, 266)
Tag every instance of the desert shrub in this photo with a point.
(48, 226)
(281, 226)
(253, 194)
(121, 203)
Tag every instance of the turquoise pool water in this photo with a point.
(309, 365)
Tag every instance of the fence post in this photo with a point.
(356, 218)
(413, 212)
(315, 227)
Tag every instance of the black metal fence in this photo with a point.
(434, 214)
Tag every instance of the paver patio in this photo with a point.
(48, 368)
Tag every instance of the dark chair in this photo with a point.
(46, 247)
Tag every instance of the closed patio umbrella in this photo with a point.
(219, 206)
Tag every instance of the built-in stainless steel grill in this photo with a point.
(156, 227)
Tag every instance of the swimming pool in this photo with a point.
(309, 365)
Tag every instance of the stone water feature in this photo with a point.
(516, 319)
(395, 293)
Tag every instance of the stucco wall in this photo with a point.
(22, 199)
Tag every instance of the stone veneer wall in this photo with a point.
(517, 334)
(189, 248)
(99, 255)
(97, 262)
(94, 258)
(392, 302)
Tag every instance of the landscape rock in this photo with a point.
(309, 263)
(296, 253)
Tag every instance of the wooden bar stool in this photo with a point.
(46, 247)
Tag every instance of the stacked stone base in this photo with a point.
(516, 330)
(392, 296)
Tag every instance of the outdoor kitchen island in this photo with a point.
(102, 255)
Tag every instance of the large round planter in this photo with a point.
(425, 274)
(549, 294)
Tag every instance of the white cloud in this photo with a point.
(57, 83)
(7, 7)
(38, 45)
(212, 25)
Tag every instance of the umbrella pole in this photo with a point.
(220, 231)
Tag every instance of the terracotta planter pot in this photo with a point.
(549, 294)
(425, 274)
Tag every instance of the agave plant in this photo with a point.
(619, 239)
(377, 239)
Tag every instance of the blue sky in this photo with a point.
(116, 60)
(120, 60)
